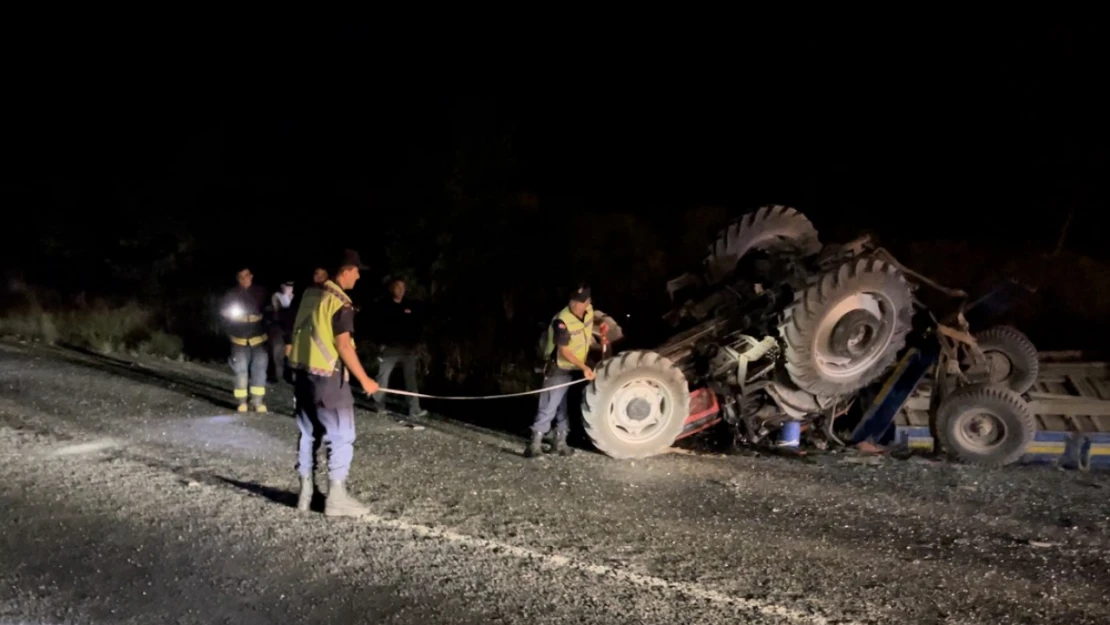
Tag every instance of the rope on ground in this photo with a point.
(393, 391)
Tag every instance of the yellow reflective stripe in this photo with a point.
(326, 350)
(238, 341)
(334, 290)
(253, 318)
(241, 393)
(256, 340)
(258, 390)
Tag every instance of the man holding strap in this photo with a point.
(324, 359)
(569, 337)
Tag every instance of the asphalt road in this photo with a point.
(128, 494)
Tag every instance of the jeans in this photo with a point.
(249, 366)
(390, 358)
(553, 404)
(336, 429)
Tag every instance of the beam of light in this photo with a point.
(235, 311)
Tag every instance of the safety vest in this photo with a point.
(314, 347)
(581, 335)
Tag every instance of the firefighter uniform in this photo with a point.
(242, 310)
(565, 330)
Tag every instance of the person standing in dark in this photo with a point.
(242, 312)
(282, 313)
(399, 324)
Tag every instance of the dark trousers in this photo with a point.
(390, 358)
(277, 357)
(249, 366)
(553, 404)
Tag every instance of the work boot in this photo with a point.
(561, 446)
(243, 407)
(308, 488)
(260, 407)
(535, 448)
(339, 503)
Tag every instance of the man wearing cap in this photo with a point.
(324, 361)
(566, 347)
(242, 314)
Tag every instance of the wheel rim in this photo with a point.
(980, 430)
(854, 334)
(639, 410)
(999, 366)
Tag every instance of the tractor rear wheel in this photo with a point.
(985, 424)
(777, 228)
(845, 330)
(636, 405)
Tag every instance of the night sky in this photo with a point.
(995, 131)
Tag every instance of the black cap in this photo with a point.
(580, 293)
(350, 258)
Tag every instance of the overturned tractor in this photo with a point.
(776, 327)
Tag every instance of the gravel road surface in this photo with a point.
(131, 493)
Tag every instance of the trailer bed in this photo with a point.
(1071, 401)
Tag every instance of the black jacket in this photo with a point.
(398, 324)
(243, 313)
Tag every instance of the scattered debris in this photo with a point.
(86, 448)
(1042, 545)
(871, 461)
(867, 447)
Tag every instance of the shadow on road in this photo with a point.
(216, 394)
(276, 495)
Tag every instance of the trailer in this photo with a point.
(1070, 402)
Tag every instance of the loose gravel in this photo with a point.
(130, 493)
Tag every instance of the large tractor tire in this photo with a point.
(636, 405)
(985, 424)
(1012, 357)
(775, 228)
(845, 330)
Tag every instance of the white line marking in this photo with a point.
(600, 570)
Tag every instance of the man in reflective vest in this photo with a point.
(242, 313)
(324, 360)
(569, 337)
